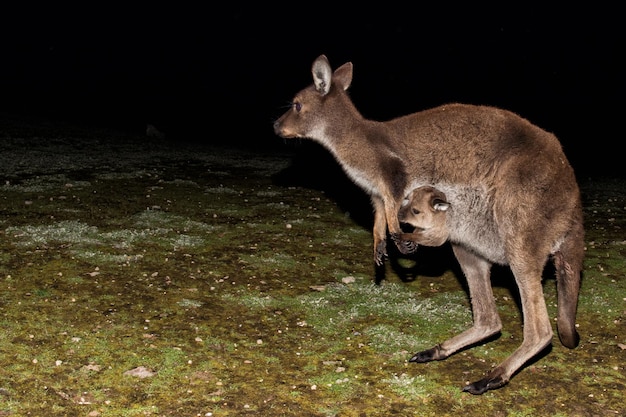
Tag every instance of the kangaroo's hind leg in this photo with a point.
(527, 267)
(487, 322)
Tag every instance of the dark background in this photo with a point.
(223, 73)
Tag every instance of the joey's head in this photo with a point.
(425, 210)
(316, 107)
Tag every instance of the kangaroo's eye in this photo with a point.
(297, 106)
(415, 211)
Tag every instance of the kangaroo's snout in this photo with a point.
(279, 129)
(282, 129)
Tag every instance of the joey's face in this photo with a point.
(424, 208)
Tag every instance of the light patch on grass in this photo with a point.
(252, 301)
(278, 259)
(187, 303)
(70, 231)
(155, 219)
(280, 206)
(99, 257)
(415, 388)
(186, 241)
(88, 243)
(268, 193)
(341, 304)
(127, 238)
(350, 233)
(339, 384)
(387, 339)
(220, 190)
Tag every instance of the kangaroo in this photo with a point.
(425, 209)
(515, 198)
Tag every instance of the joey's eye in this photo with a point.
(415, 211)
(297, 106)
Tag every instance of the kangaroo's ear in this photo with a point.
(343, 75)
(321, 74)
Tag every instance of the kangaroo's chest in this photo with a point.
(363, 179)
(471, 222)
(377, 173)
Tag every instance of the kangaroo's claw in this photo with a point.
(484, 385)
(433, 354)
(380, 252)
(405, 246)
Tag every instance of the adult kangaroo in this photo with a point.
(515, 197)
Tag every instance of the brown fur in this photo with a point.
(425, 210)
(514, 195)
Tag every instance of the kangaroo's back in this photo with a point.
(471, 143)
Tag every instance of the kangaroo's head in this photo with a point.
(319, 107)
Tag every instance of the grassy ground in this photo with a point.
(143, 279)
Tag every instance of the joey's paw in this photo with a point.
(405, 245)
(484, 385)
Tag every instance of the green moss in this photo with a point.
(248, 298)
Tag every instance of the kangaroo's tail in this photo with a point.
(568, 263)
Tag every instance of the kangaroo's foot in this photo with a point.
(433, 354)
(380, 252)
(492, 381)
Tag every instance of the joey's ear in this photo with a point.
(343, 75)
(321, 74)
(407, 199)
(440, 205)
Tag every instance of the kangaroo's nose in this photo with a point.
(277, 127)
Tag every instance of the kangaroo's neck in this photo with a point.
(365, 149)
(352, 138)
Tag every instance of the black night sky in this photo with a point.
(223, 74)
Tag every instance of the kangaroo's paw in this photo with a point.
(380, 252)
(404, 243)
(433, 354)
(485, 384)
